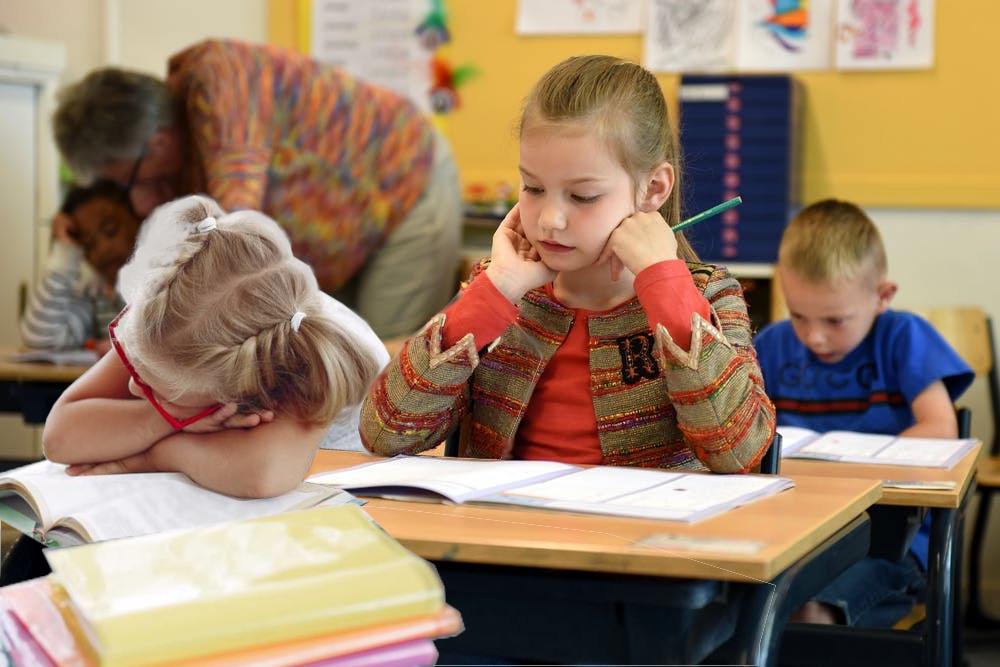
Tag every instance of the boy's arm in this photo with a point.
(261, 462)
(933, 413)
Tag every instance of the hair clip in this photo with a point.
(297, 319)
(207, 225)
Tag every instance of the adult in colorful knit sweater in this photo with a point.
(593, 334)
(355, 174)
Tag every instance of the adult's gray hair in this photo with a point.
(108, 116)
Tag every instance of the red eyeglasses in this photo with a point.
(146, 389)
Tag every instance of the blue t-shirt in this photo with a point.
(870, 390)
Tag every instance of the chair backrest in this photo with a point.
(771, 463)
(969, 330)
(963, 416)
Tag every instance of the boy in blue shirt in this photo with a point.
(846, 361)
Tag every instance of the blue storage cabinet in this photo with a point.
(738, 137)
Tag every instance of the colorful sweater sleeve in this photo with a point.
(225, 89)
(669, 296)
(423, 394)
(716, 385)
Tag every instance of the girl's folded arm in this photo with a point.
(96, 419)
(260, 462)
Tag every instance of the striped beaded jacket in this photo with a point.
(656, 404)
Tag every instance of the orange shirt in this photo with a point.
(559, 423)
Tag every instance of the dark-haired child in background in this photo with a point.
(74, 300)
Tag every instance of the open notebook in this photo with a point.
(854, 447)
(633, 492)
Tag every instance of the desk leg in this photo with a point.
(767, 607)
(944, 563)
(940, 598)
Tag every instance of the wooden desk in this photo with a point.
(962, 473)
(553, 585)
(31, 388)
(939, 644)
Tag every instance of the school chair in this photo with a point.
(970, 331)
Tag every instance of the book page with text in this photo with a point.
(843, 444)
(180, 503)
(638, 492)
(457, 480)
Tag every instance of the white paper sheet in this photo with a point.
(553, 17)
(800, 38)
(885, 34)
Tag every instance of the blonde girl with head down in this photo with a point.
(592, 334)
(229, 364)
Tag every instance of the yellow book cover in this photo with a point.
(172, 596)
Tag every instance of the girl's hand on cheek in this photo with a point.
(64, 229)
(638, 242)
(515, 266)
(229, 416)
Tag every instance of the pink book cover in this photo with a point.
(313, 650)
(20, 647)
(32, 612)
(416, 653)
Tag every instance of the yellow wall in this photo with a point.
(895, 138)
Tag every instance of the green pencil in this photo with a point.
(704, 215)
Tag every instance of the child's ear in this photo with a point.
(886, 290)
(658, 185)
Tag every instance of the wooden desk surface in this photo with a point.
(18, 371)
(788, 524)
(962, 473)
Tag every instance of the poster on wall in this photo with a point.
(785, 35)
(377, 41)
(885, 34)
(554, 17)
(684, 36)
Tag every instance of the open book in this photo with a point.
(41, 500)
(619, 491)
(853, 447)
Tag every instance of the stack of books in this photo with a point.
(323, 586)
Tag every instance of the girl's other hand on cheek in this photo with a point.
(515, 266)
(64, 229)
(229, 416)
(638, 242)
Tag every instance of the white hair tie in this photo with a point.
(297, 319)
(207, 225)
